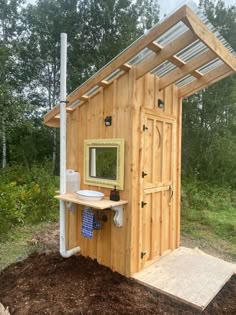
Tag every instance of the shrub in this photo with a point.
(26, 196)
(209, 205)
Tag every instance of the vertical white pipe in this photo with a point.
(63, 113)
(65, 253)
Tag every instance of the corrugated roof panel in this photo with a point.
(192, 51)
(211, 66)
(186, 54)
(186, 80)
(145, 53)
(164, 68)
(75, 104)
(113, 74)
(174, 32)
(212, 28)
(91, 91)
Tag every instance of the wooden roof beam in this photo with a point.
(129, 53)
(103, 83)
(125, 67)
(174, 59)
(207, 79)
(53, 122)
(154, 47)
(84, 98)
(50, 115)
(121, 60)
(168, 51)
(197, 74)
(189, 67)
(209, 39)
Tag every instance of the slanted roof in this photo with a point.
(183, 49)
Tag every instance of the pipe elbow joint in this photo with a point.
(70, 252)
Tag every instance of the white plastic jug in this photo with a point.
(72, 181)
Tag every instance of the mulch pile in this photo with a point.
(50, 284)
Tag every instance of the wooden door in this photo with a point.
(157, 166)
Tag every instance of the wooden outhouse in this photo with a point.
(137, 98)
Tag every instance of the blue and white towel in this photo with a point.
(87, 223)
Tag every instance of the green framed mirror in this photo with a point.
(104, 162)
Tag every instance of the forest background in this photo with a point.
(97, 31)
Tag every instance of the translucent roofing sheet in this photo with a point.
(212, 29)
(174, 32)
(91, 91)
(192, 51)
(113, 74)
(145, 53)
(186, 54)
(186, 80)
(163, 69)
(211, 66)
(75, 104)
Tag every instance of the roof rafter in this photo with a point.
(209, 39)
(103, 83)
(54, 122)
(119, 61)
(125, 67)
(189, 67)
(174, 59)
(209, 78)
(168, 51)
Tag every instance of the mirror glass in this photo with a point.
(104, 162)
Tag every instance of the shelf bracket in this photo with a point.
(71, 206)
(118, 217)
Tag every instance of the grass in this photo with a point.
(18, 245)
(208, 221)
(209, 217)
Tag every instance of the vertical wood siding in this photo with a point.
(126, 100)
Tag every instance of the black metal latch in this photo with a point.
(145, 128)
(143, 254)
(144, 174)
(143, 204)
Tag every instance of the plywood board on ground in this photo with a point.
(187, 275)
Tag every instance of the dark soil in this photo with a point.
(49, 284)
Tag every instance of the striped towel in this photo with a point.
(87, 223)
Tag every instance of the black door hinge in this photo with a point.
(145, 128)
(144, 174)
(143, 204)
(143, 254)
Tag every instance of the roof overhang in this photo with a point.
(181, 50)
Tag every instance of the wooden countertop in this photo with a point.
(105, 203)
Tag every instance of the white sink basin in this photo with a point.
(89, 195)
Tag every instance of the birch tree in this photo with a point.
(9, 23)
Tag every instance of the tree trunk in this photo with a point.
(4, 144)
(54, 150)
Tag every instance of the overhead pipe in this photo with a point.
(64, 253)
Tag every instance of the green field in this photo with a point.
(209, 217)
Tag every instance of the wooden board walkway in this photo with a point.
(188, 275)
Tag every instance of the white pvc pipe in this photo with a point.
(65, 253)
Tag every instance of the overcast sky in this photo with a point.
(167, 6)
